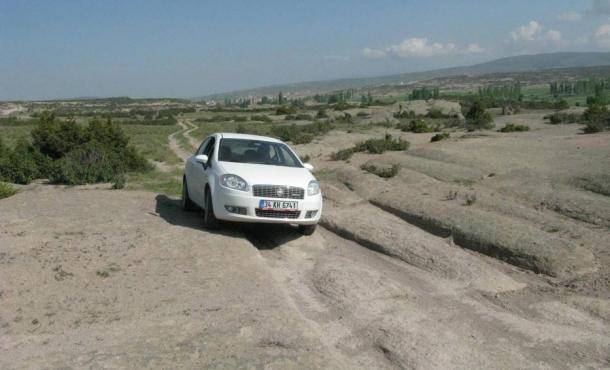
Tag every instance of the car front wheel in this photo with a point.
(210, 221)
(186, 202)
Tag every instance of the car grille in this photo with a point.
(277, 214)
(278, 191)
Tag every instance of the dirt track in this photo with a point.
(103, 278)
(98, 278)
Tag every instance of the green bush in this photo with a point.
(89, 163)
(55, 138)
(304, 117)
(342, 155)
(373, 146)
(321, 114)
(436, 113)
(511, 127)
(384, 172)
(417, 126)
(285, 109)
(597, 119)
(439, 137)
(19, 165)
(558, 118)
(70, 154)
(6, 190)
(301, 134)
(477, 118)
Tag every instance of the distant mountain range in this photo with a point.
(520, 63)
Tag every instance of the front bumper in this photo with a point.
(226, 197)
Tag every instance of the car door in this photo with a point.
(193, 171)
(202, 173)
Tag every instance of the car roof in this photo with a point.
(229, 135)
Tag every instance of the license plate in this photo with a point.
(278, 205)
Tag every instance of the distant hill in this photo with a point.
(521, 63)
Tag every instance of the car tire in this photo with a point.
(186, 202)
(307, 229)
(210, 221)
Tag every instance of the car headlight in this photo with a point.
(313, 188)
(234, 182)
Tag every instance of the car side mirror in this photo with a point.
(202, 158)
(308, 166)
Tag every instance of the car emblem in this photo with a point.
(280, 192)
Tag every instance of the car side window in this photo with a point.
(209, 150)
(202, 147)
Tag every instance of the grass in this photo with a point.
(6, 190)
(152, 141)
(113, 267)
(169, 183)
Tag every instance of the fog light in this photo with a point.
(237, 210)
(311, 214)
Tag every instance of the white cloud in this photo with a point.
(528, 32)
(603, 32)
(602, 35)
(532, 35)
(554, 36)
(570, 17)
(373, 53)
(420, 48)
(474, 49)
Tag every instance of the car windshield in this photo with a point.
(257, 152)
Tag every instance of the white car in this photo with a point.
(248, 178)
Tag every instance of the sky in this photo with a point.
(188, 48)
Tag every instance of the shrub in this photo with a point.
(69, 154)
(557, 118)
(285, 109)
(439, 137)
(119, 182)
(19, 165)
(470, 199)
(304, 117)
(384, 172)
(301, 134)
(342, 106)
(416, 126)
(597, 119)
(262, 118)
(363, 114)
(6, 190)
(321, 114)
(436, 113)
(55, 138)
(405, 114)
(511, 127)
(373, 146)
(306, 158)
(342, 155)
(89, 163)
(477, 118)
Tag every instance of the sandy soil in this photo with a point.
(99, 278)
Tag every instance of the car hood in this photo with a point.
(268, 175)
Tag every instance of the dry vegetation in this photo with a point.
(453, 236)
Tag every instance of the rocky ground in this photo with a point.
(402, 273)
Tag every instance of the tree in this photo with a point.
(477, 118)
